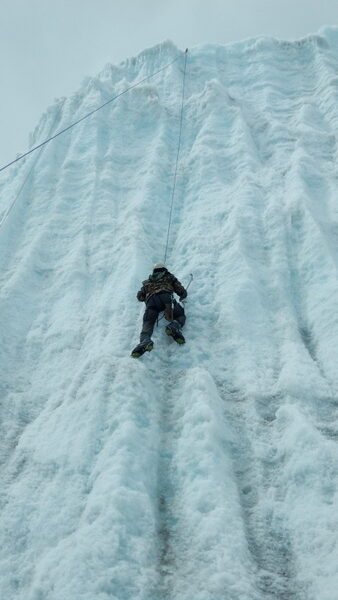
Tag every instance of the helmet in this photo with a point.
(159, 266)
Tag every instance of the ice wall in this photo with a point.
(208, 471)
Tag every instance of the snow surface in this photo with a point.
(202, 472)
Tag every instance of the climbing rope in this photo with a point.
(177, 157)
(41, 146)
(30, 171)
(7, 212)
(88, 115)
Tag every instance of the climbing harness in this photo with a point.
(167, 314)
(177, 156)
(173, 300)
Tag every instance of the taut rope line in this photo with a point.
(177, 156)
(87, 115)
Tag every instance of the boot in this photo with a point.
(173, 329)
(142, 348)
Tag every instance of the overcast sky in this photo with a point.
(47, 47)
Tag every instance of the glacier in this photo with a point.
(202, 472)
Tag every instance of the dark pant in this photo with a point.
(157, 303)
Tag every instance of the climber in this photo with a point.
(157, 292)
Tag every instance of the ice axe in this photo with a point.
(189, 282)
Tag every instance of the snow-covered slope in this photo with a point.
(202, 472)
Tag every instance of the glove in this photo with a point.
(140, 296)
(182, 298)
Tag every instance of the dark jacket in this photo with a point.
(160, 281)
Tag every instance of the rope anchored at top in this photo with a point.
(41, 146)
(87, 115)
(177, 156)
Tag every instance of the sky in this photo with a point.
(47, 47)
